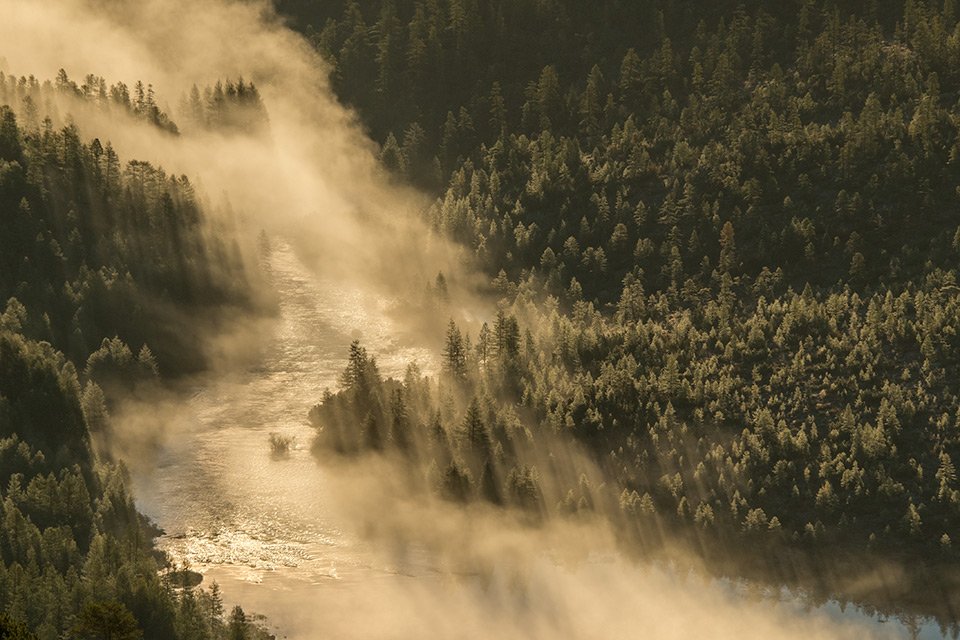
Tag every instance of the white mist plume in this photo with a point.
(314, 178)
(477, 572)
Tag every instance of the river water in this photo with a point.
(256, 524)
(268, 530)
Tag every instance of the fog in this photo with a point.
(480, 573)
(313, 180)
(313, 177)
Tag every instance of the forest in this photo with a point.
(723, 239)
(718, 243)
(99, 260)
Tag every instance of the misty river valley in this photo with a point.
(265, 527)
(479, 319)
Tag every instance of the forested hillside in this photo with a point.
(727, 233)
(99, 260)
(77, 558)
(95, 247)
(809, 132)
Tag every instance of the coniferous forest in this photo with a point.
(723, 237)
(93, 248)
(717, 246)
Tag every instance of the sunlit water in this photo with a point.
(263, 527)
(233, 511)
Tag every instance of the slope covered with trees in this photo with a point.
(818, 131)
(95, 248)
(96, 257)
(76, 558)
(728, 232)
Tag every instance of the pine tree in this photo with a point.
(400, 425)
(485, 345)
(473, 432)
(454, 353)
(728, 249)
(237, 625)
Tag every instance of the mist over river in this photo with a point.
(714, 243)
(257, 524)
(268, 529)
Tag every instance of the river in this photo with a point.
(267, 530)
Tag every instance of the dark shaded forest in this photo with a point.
(723, 237)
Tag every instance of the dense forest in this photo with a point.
(99, 259)
(723, 237)
(88, 236)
